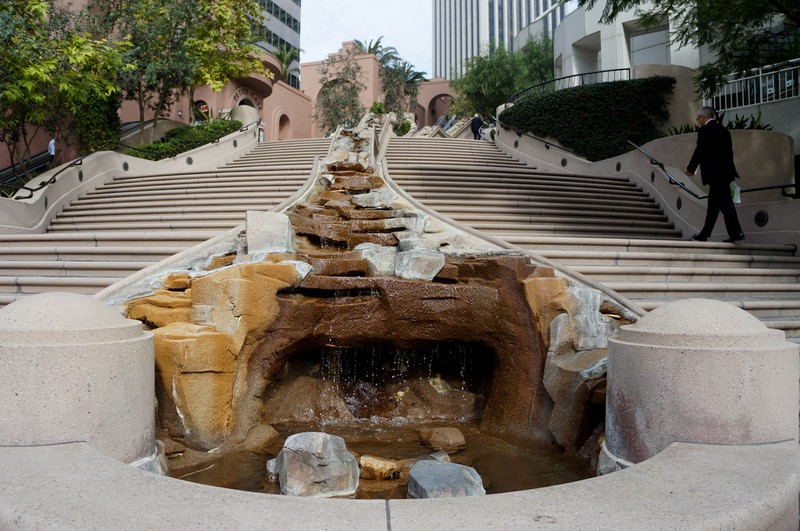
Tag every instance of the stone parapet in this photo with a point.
(687, 486)
(701, 371)
(76, 370)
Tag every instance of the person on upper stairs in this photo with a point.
(714, 155)
(475, 125)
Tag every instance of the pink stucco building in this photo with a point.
(285, 112)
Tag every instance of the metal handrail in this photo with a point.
(79, 161)
(572, 81)
(51, 180)
(673, 181)
(670, 178)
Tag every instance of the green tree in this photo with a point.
(338, 101)
(743, 34)
(400, 83)
(222, 44)
(537, 61)
(47, 71)
(491, 78)
(178, 45)
(161, 65)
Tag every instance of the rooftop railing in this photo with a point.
(575, 80)
(767, 84)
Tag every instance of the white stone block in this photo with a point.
(380, 260)
(269, 232)
(419, 264)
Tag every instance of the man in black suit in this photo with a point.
(714, 155)
(475, 125)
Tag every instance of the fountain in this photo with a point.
(209, 310)
(357, 306)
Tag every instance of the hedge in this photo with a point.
(185, 138)
(596, 121)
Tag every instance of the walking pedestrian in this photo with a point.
(475, 125)
(714, 155)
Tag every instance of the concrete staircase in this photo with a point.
(603, 227)
(132, 222)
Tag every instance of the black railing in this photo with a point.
(79, 161)
(48, 182)
(673, 181)
(575, 80)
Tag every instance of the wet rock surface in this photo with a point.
(436, 479)
(316, 465)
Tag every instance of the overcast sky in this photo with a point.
(404, 24)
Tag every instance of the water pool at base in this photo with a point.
(503, 466)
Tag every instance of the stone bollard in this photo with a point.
(699, 371)
(74, 369)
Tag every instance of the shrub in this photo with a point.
(377, 108)
(185, 138)
(596, 121)
(402, 129)
(751, 122)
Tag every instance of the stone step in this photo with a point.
(535, 205)
(173, 239)
(567, 227)
(421, 174)
(24, 285)
(441, 161)
(603, 246)
(240, 183)
(89, 254)
(791, 327)
(179, 205)
(466, 196)
(702, 273)
(163, 209)
(766, 310)
(563, 217)
(270, 173)
(190, 196)
(8, 298)
(234, 215)
(71, 268)
(725, 291)
(578, 259)
(220, 225)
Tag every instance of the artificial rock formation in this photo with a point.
(357, 306)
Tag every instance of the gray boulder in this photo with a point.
(318, 465)
(437, 479)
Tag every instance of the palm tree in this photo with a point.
(384, 54)
(411, 77)
(286, 55)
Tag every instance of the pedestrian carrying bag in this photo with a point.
(736, 193)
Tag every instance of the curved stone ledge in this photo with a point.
(687, 486)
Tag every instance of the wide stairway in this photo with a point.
(132, 222)
(603, 227)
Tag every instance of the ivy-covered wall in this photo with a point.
(596, 121)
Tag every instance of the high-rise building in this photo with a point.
(282, 28)
(462, 28)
